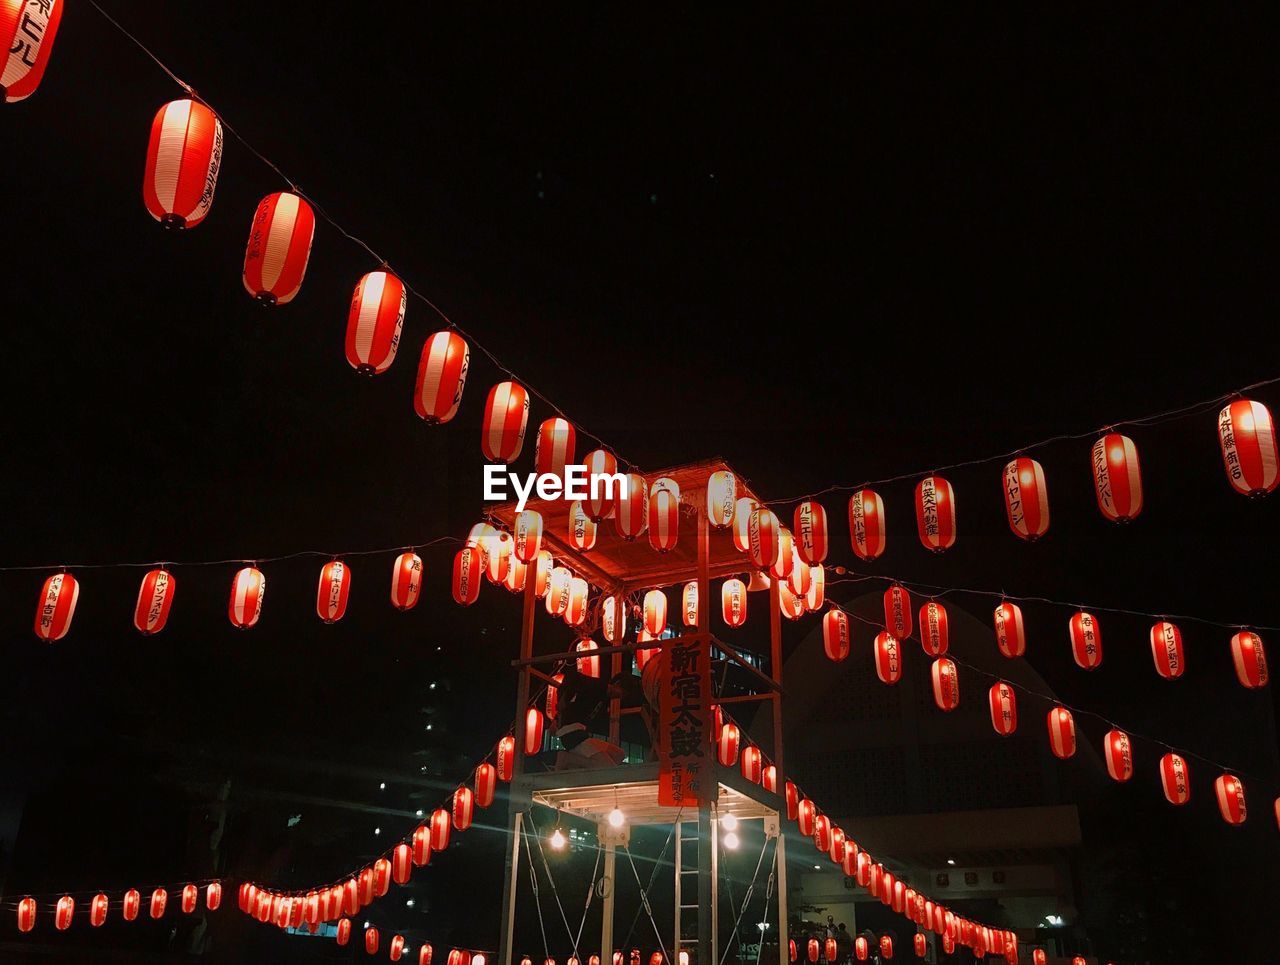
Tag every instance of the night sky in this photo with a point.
(828, 249)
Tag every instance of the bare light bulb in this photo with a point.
(616, 818)
(729, 822)
(557, 839)
(731, 841)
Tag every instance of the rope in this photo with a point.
(644, 903)
(552, 881)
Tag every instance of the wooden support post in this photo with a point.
(708, 954)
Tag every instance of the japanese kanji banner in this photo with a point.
(684, 715)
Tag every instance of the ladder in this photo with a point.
(696, 892)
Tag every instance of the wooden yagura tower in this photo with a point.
(616, 566)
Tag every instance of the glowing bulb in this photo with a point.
(729, 822)
(616, 818)
(557, 839)
(382, 786)
(731, 841)
(377, 830)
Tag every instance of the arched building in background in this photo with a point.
(980, 821)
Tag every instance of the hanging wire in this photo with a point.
(653, 875)
(537, 898)
(537, 837)
(644, 902)
(746, 900)
(355, 239)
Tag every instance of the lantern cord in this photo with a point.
(324, 214)
(586, 907)
(537, 895)
(1056, 702)
(1181, 412)
(644, 903)
(555, 892)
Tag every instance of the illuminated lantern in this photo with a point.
(246, 896)
(554, 450)
(1038, 957)
(921, 944)
(784, 560)
(1011, 637)
(1166, 650)
(332, 591)
(792, 796)
(816, 595)
(866, 524)
(364, 885)
(1175, 778)
(155, 597)
(689, 604)
(463, 808)
(888, 658)
(440, 824)
(350, 896)
(406, 581)
(733, 602)
(63, 912)
(533, 731)
(275, 259)
(576, 611)
(813, 950)
(751, 763)
(791, 605)
(466, 575)
(159, 899)
(645, 654)
(1004, 708)
(946, 684)
(442, 375)
(190, 895)
(486, 784)
(401, 863)
(886, 946)
(248, 589)
(1117, 478)
(57, 605)
(588, 666)
(763, 538)
(1248, 441)
(629, 517)
(421, 845)
(664, 520)
(810, 523)
(1118, 753)
(935, 631)
(1079, 960)
(506, 413)
(1250, 659)
(862, 869)
(830, 949)
(897, 611)
(344, 931)
(100, 904)
(758, 581)
(1086, 640)
(613, 618)
(849, 860)
(425, 953)
(655, 612)
(835, 635)
(506, 757)
(887, 882)
(1026, 498)
(26, 914)
(528, 535)
(835, 847)
(936, 513)
(183, 157)
(371, 941)
(603, 482)
(374, 322)
(948, 944)
(822, 832)
(769, 778)
(582, 529)
(542, 574)
(799, 577)
(722, 494)
(1230, 793)
(860, 948)
(727, 744)
(1062, 733)
(742, 510)
(806, 815)
(397, 947)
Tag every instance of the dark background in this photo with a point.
(827, 248)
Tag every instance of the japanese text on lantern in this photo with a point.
(683, 741)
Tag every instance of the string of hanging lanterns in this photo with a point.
(96, 906)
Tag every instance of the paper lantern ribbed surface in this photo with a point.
(588, 666)
(555, 446)
(792, 606)
(190, 896)
(374, 322)
(1086, 640)
(816, 596)
(406, 581)
(1175, 778)
(56, 606)
(1117, 750)
(183, 157)
(582, 528)
(810, 525)
(935, 629)
(629, 518)
(733, 602)
(742, 510)
(1062, 733)
(727, 744)
(888, 655)
(897, 611)
(784, 560)
(866, 524)
(463, 808)
(533, 725)
(835, 635)
(1026, 498)
(466, 575)
(1003, 704)
(332, 591)
(159, 900)
(486, 784)
(506, 414)
(401, 863)
(1166, 649)
(27, 30)
(131, 904)
(751, 763)
(371, 940)
(1250, 660)
(441, 821)
(664, 520)
(558, 588)
(442, 375)
(946, 684)
(63, 911)
(1248, 440)
(1229, 791)
(505, 756)
(155, 597)
(763, 537)
(613, 618)
(420, 845)
(806, 813)
(1117, 477)
(1011, 636)
(936, 513)
(689, 604)
(769, 778)
(602, 493)
(248, 590)
(722, 496)
(835, 850)
(575, 613)
(100, 904)
(275, 260)
(528, 535)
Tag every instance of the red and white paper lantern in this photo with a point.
(1003, 704)
(1248, 440)
(810, 525)
(528, 535)
(752, 763)
(582, 528)
(374, 322)
(183, 157)
(576, 611)
(248, 590)
(629, 515)
(785, 559)
(275, 259)
(1117, 750)
(655, 612)
(888, 655)
(1166, 650)
(1250, 660)
(533, 725)
(664, 519)
(1086, 640)
(486, 784)
(557, 441)
(1175, 778)
(588, 666)
(442, 375)
(835, 635)
(816, 596)
(1062, 733)
(63, 912)
(689, 604)
(727, 744)
(946, 684)
(764, 537)
(1117, 477)
(613, 618)
(332, 591)
(406, 581)
(936, 513)
(463, 808)
(722, 496)
(866, 524)
(441, 821)
(603, 493)
(1026, 498)
(466, 575)
(935, 631)
(733, 602)
(1011, 636)
(57, 606)
(897, 611)
(506, 414)
(155, 597)
(1229, 791)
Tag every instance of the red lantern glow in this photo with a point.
(936, 513)
(401, 863)
(604, 492)
(806, 816)
(397, 948)
(463, 808)
(506, 414)
(528, 535)
(63, 912)
(764, 538)
(26, 914)
(727, 744)
(374, 322)
(248, 590)
(557, 441)
(442, 375)
(860, 948)
(332, 591)
(866, 524)
(751, 763)
(98, 909)
(946, 684)
(1003, 704)
(486, 784)
(1118, 752)
(466, 575)
(689, 604)
(371, 941)
(421, 845)
(722, 495)
(814, 950)
(1248, 440)
(835, 635)
(733, 602)
(532, 731)
(159, 899)
(183, 157)
(1175, 778)
(655, 612)
(1011, 636)
(816, 595)
(1250, 660)
(406, 581)
(886, 946)
(506, 757)
(810, 524)
(664, 519)
(155, 597)
(275, 259)
(440, 829)
(897, 611)
(1026, 498)
(588, 666)
(629, 516)
(1117, 478)
(830, 949)
(935, 629)
(1086, 640)
(576, 611)
(1166, 650)
(57, 605)
(1229, 790)
(190, 897)
(888, 655)
(1062, 733)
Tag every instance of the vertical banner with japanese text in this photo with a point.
(686, 772)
